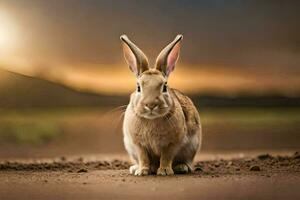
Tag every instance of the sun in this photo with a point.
(8, 32)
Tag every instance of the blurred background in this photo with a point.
(64, 84)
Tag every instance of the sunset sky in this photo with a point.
(228, 46)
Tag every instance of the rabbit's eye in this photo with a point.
(165, 87)
(138, 88)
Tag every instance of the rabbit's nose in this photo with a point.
(151, 106)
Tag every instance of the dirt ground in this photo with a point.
(260, 177)
(87, 159)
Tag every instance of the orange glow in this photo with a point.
(8, 32)
(118, 80)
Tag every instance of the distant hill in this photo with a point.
(17, 90)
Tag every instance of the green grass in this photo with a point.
(251, 115)
(29, 132)
(40, 126)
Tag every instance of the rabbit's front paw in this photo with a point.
(142, 172)
(164, 171)
(133, 168)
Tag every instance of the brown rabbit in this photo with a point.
(162, 131)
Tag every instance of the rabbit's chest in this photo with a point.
(154, 135)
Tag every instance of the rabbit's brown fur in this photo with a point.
(162, 131)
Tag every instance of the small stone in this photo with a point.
(198, 169)
(123, 179)
(217, 165)
(296, 156)
(82, 171)
(48, 167)
(254, 168)
(264, 156)
(100, 164)
(63, 158)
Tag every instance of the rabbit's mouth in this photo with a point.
(153, 114)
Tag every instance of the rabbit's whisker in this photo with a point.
(118, 121)
(123, 107)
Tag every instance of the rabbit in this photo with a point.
(161, 127)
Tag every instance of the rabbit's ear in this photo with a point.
(135, 58)
(168, 57)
